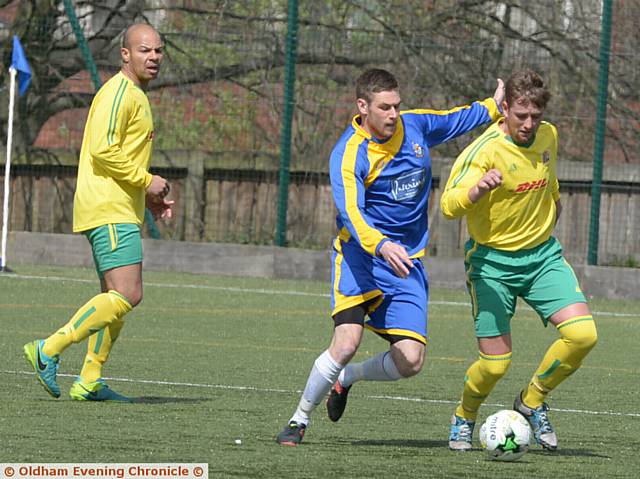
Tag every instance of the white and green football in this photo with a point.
(505, 435)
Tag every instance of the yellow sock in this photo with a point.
(98, 312)
(98, 349)
(578, 336)
(481, 377)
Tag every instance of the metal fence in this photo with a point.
(218, 105)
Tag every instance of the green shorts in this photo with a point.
(115, 245)
(541, 276)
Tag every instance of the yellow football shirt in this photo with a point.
(520, 213)
(115, 156)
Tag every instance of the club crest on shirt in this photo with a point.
(546, 156)
(418, 150)
(409, 185)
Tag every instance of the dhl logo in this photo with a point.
(530, 186)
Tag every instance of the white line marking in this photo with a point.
(508, 406)
(286, 391)
(265, 291)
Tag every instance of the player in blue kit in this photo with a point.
(380, 178)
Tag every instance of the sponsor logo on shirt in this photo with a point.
(409, 185)
(531, 186)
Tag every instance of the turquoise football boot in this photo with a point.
(461, 434)
(95, 391)
(538, 419)
(45, 367)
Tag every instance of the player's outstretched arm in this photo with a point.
(498, 95)
(444, 125)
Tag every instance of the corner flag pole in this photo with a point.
(7, 171)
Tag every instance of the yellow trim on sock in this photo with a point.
(480, 379)
(564, 357)
(496, 357)
(576, 319)
(114, 292)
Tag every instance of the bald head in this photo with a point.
(141, 53)
(136, 29)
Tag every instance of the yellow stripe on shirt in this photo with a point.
(379, 155)
(489, 104)
(113, 169)
(467, 161)
(369, 237)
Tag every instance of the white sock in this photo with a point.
(324, 373)
(378, 368)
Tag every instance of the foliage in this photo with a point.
(444, 53)
(625, 261)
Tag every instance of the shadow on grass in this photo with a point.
(419, 443)
(167, 400)
(569, 452)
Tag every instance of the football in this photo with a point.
(505, 436)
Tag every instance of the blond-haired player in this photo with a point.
(505, 184)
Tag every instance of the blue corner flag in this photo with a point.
(20, 63)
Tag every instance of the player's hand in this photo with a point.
(397, 257)
(159, 187)
(498, 95)
(490, 181)
(160, 208)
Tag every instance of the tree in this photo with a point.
(223, 72)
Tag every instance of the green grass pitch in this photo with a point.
(215, 359)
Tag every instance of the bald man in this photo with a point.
(113, 187)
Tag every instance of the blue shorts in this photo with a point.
(400, 308)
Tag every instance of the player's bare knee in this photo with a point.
(345, 342)
(343, 352)
(410, 367)
(132, 295)
(343, 347)
(408, 360)
(135, 300)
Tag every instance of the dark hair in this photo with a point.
(373, 81)
(528, 86)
